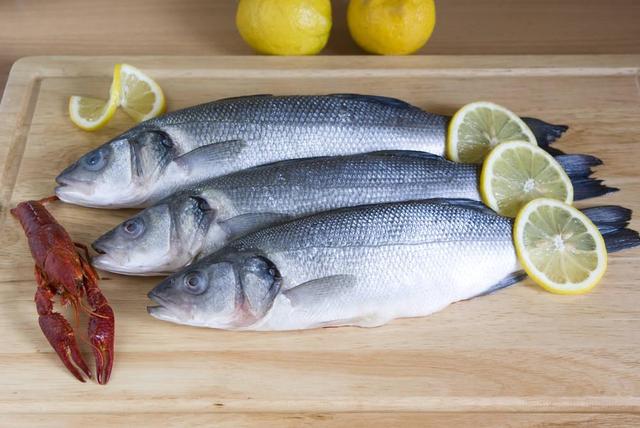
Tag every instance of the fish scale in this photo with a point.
(181, 148)
(359, 266)
(362, 265)
(258, 197)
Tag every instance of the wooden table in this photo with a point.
(521, 357)
(207, 27)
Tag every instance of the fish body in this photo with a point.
(356, 266)
(361, 266)
(197, 221)
(178, 149)
(201, 219)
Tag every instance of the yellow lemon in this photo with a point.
(559, 247)
(138, 95)
(285, 27)
(391, 27)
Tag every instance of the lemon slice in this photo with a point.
(92, 114)
(559, 247)
(518, 172)
(140, 96)
(478, 127)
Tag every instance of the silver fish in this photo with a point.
(360, 266)
(162, 155)
(198, 221)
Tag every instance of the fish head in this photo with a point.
(160, 239)
(228, 291)
(123, 172)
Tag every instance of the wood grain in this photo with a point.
(331, 420)
(205, 27)
(520, 357)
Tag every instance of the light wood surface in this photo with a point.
(349, 420)
(207, 27)
(520, 357)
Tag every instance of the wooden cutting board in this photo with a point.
(522, 356)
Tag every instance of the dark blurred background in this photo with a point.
(207, 27)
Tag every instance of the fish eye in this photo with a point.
(164, 139)
(195, 282)
(202, 204)
(95, 160)
(133, 227)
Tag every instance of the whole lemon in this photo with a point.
(391, 27)
(285, 27)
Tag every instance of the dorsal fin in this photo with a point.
(388, 101)
(467, 203)
(408, 153)
(241, 97)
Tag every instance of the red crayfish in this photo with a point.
(62, 270)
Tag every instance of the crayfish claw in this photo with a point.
(101, 335)
(62, 339)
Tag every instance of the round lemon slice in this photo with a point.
(559, 247)
(92, 114)
(140, 96)
(478, 127)
(518, 172)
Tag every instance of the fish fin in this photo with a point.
(313, 294)
(319, 289)
(585, 188)
(545, 133)
(612, 221)
(578, 168)
(462, 202)
(608, 218)
(407, 153)
(211, 154)
(387, 101)
(621, 239)
(245, 223)
(507, 281)
(242, 97)
(578, 165)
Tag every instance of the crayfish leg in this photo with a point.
(101, 329)
(58, 331)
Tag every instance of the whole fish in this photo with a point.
(360, 266)
(201, 219)
(162, 155)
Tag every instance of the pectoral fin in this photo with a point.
(245, 223)
(311, 292)
(210, 155)
(328, 302)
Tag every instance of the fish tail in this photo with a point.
(578, 168)
(612, 221)
(545, 133)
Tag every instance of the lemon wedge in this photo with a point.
(140, 96)
(90, 113)
(517, 172)
(559, 247)
(478, 127)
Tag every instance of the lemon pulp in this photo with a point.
(517, 172)
(559, 247)
(478, 127)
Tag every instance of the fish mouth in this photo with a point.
(160, 311)
(73, 191)
(104, 261)
(97, 249)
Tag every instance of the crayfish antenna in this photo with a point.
(48, 199)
